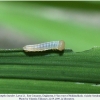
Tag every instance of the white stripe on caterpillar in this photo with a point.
(53, 45)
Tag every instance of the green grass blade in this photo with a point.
(52, 65)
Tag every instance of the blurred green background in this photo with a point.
(23, 23)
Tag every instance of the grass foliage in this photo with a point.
(50, 71)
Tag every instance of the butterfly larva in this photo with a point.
(53, 45)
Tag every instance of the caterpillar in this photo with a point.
(53, 45)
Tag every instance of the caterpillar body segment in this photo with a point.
(53, 45)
